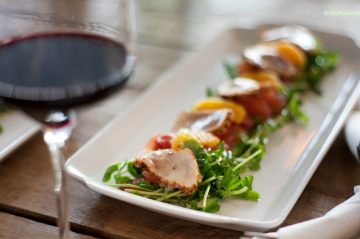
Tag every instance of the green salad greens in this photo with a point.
(221, 179)
(317, 66)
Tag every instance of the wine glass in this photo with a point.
(56, 55)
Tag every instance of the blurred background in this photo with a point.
(171, 29)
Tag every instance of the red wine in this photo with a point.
(61, 70)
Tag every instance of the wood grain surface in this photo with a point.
(19, 227)
(168, 31)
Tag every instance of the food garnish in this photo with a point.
(203, 159)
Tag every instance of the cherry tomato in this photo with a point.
(159, 141)
(164, 141)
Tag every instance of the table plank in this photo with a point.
(332, 183)
(18, 227)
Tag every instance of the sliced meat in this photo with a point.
(238, 86)
(171, 168)
(297, 35)
(265, 56)
(206, 120)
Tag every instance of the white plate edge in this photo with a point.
(27, 134)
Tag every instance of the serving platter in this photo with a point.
(293, 153)
(17, 128)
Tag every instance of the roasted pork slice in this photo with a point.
(266, 56)
(238, 87)
(206, 120)
(264, 78)
(297, 35)
(171, 168)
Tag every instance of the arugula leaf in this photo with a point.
(134, 171)
(194, 146)
(211, 92)
(199, 152)
(147, 185)
(212, 205)
(109, 171)
(318, 65)
(231, 70)
(193, 204)
(251, 195)
(294, 108)
(119, 179)
(229, 180)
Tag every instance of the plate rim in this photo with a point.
(25, 135)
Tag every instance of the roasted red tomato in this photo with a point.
(231, 135)
(255, 106)
(159, 141)
(275, 100)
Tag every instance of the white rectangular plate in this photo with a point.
(17, 128)
(293, 154)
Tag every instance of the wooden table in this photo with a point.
(168, 31)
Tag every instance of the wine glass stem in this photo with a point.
(60, 189)
(56, 131)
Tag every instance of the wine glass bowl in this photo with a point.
(61, 70)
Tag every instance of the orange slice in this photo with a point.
(214, 104)
(291, 53)
(202, 137)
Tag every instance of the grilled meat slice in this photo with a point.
(170, 168)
